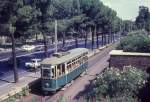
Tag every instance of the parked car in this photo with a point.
(34, 64)
(28, 47)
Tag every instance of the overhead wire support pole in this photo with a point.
(56, 40)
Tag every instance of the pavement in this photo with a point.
(10, 88)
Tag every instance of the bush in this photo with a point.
(135, 43)
(25, 91)
(121, 84)
(10, 99)
(18, 95)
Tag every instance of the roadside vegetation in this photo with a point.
(135, 42)
(15, 98)
(116, 85)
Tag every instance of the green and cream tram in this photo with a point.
(62, 68)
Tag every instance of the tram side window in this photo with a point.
(60, 69)
(69, 67)
(86, 58)
(55, 71)
(74, 63)
(52, 73)
(63, 69)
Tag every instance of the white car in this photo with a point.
(35, 63)
(28, 47)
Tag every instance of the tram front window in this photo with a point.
(48, 73)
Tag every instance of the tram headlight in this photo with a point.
(47, 84)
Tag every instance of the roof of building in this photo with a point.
(71, 54)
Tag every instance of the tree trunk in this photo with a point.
(113, 37)
(16, 78)
(53, 40)
(36, 37)
(64, 37)
(105, 39)
(110, 36)
(109, 41)
(97, 42)
(102, 39)
(45, 45)
(76, 41)
(86, 37)
(92, 40)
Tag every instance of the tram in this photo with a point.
(62, 68)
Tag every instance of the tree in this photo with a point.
(43, 5)
(16, 19)
(8, 21)
(143, 19)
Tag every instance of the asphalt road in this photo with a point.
(4, 56)
(80, 86)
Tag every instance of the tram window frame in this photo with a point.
(61, 68)
(69, 66)
(59, 72)
(44, 71)
(51, 71)
(55, 71)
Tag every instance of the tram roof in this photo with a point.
(58, 60)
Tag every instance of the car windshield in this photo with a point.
(35, 60)
(32, 61)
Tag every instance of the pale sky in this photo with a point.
(126, 9)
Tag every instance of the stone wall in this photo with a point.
(118, 59)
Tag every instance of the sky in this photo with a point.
(126, 9)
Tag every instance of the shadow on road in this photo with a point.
(36, 89)
(6, 81)
(85, 92)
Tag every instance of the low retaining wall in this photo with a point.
(118, 59)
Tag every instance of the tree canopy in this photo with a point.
(30, 17)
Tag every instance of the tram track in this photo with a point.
(93, 60)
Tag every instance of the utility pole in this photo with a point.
(56, 41)
(78, 3)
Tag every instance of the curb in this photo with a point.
(11, 93)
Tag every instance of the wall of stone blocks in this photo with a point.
(125, 60)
